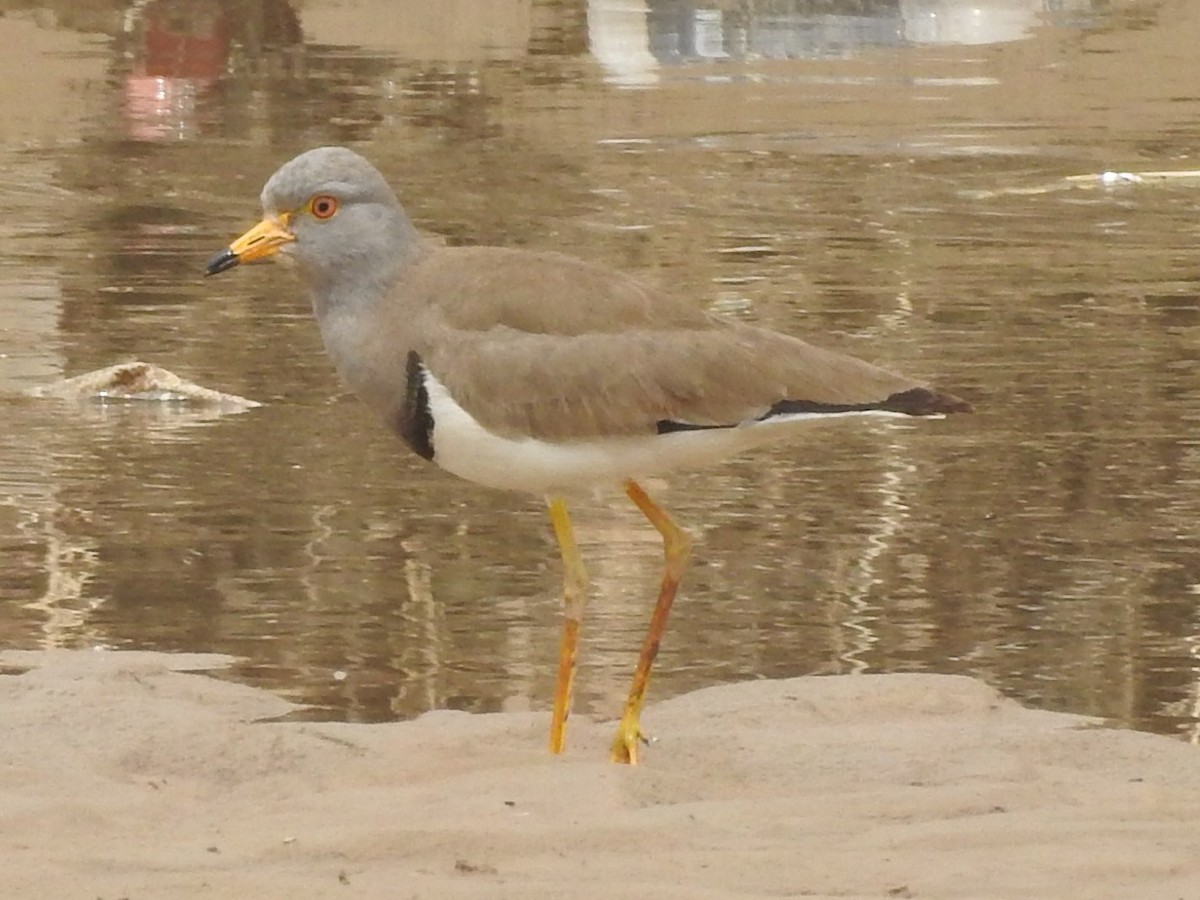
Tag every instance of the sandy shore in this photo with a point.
(122, 776)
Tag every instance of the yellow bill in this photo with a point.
(263, 240)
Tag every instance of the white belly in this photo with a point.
(464, 447)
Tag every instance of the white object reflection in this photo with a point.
(619, 39)
(958, 22)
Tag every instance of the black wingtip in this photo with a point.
(922, 401)
(916, 401)
(224, 260)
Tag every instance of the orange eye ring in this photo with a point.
(323, 206)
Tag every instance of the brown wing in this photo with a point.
(480, 288)
(645, 381)
(548, 345)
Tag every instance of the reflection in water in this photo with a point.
(178, 49)
(632, 38)
(817, 168)
(53, 571)
(879, 542)
(184, 48)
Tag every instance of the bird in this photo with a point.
(536, 371)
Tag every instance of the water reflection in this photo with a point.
(820, 168)
(633, 38)
(177, 50)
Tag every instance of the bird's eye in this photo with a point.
(323, 206)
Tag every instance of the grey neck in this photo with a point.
(363, 334)
(364, 275)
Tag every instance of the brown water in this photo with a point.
(888, 182)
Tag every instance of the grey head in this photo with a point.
(351, 234)
(335, 170)
(333, 213)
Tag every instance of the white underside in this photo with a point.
(464, 447)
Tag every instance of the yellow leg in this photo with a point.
(677, 547)
(575, 583)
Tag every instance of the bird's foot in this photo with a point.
(625, 744)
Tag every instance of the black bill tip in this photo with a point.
(226, 259)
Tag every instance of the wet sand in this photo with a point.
(124, 776)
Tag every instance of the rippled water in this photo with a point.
(889, 184)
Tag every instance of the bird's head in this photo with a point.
(331, 211)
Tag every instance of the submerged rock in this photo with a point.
(139, 382)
